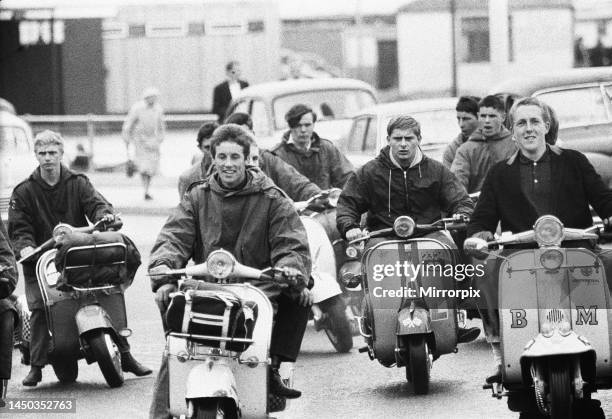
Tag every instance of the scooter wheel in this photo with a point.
(419, 364)
(560, 390)
(107, 355)
(66, 371)
(339, 329)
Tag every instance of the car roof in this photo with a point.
(408, 106)
(280, 88)
(526, 86)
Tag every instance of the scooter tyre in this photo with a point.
(339, 330)
(215, 408)
(419, 367)
(66, 371)
(107, 355)
(560, 390)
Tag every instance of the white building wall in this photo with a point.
(542, 41)
(424, 52)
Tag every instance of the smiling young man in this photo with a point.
(536, 180)
(489, 144)
(241, 210)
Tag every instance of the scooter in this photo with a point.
(329, 308)
(83, 321)
(405, 321)
(555, 315)
(221, 375)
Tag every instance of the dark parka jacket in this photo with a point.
(285, 176)
(256, 223)
(7, 260)
(323, 163)
(36, 208)
(425, 192)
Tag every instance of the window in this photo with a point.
(358, 133)
(261, 126)
(137, 31)
(474, 42)
(195, 29)
(577, 106)
(32, 32)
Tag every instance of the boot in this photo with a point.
(465, 335)
(34, 376)
(129, 364)
(278, 388)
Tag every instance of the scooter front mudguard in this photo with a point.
(92, 317)
(571, 344)
(211, 379)
(417, 322)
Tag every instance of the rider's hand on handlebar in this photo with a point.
(109, 218)
(26, 251)
(355, 233)
(461, 218)
(162, 296)
(305, 298)
(485, 235)
(291, 275)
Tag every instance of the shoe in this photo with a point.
(278, 388)
(129, 364)
(496, 377)
(148, 197)
(3, 385)
(34, 376)
(467, 335)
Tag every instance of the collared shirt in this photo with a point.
(536, 182)
(234, 87)
(290, 141)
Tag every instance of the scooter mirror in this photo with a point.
(476, 247)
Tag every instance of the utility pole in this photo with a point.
(453, 11)
(499, 39)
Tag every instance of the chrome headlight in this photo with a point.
(51, 273)
(220, 264)
(404, 226)
(551, 259)
(548, 231)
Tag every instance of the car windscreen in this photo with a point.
(578, 106)
(327, 104)
(438, 127)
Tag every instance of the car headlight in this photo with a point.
(220, 264)
(548, 231)
(404, 226)
(551, 259)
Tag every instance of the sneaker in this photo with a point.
(278, 388)
(465, 335)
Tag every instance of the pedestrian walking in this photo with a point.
(144, 128)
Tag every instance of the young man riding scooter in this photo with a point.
(53, 194)
(241, 210)
(8, 313)
(538, 179)
(401, 181)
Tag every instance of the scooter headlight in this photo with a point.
(548, 231)
(565, 328)
(61, 230)
(551, 259)
(547, 329)
(404, 226)
(350, 274)
(352, 252)
(220, 264)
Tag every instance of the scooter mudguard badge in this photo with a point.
(211, 379)
(412, 323)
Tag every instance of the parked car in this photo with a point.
(17, 159)
(334, 100)
(368, 133)
(582, 100)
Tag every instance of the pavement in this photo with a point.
(127, 194)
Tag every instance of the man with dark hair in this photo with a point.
(489, 144)
(241, 210)
(467, 118)
(200, 162)
(401, 181)
(226, 91)
(240, 118)
(50, 195)
(538, 179)
(316, 158)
